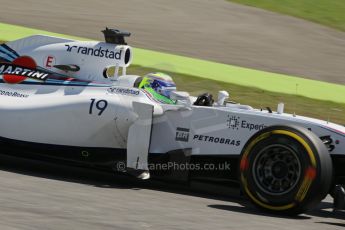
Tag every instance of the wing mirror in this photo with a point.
(222, 96)
(181, 97)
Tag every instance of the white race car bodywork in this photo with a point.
(43, 117)
(64, 107)
(73, 101)
(86, 110)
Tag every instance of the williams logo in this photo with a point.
(182, 134)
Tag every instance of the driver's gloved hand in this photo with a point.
(205, 99)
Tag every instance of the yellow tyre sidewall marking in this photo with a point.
(302, 192)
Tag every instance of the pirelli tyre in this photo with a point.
(285, 169)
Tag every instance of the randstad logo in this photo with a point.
(97, 52)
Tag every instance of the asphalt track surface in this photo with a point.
(208, 29)
(44, 196)
(34, 195)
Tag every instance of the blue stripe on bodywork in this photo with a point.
(60, 84)
(4, 48)
(6, 57)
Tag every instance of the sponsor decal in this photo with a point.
(252, 126)
(49, 61)
(96, 52)
(21, 69)
(124, 91)
(216, 140)
(182, 134)
(12, 94)
(235, 122)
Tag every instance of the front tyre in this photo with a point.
(285, 169)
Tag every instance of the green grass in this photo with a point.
(255, 97)
(327, 12)
(272, 82)
(278, 83)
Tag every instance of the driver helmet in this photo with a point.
(160, 83)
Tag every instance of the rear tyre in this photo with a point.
(285, 170)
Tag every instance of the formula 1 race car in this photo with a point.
(73, 101)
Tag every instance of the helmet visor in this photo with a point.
(163, 87)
